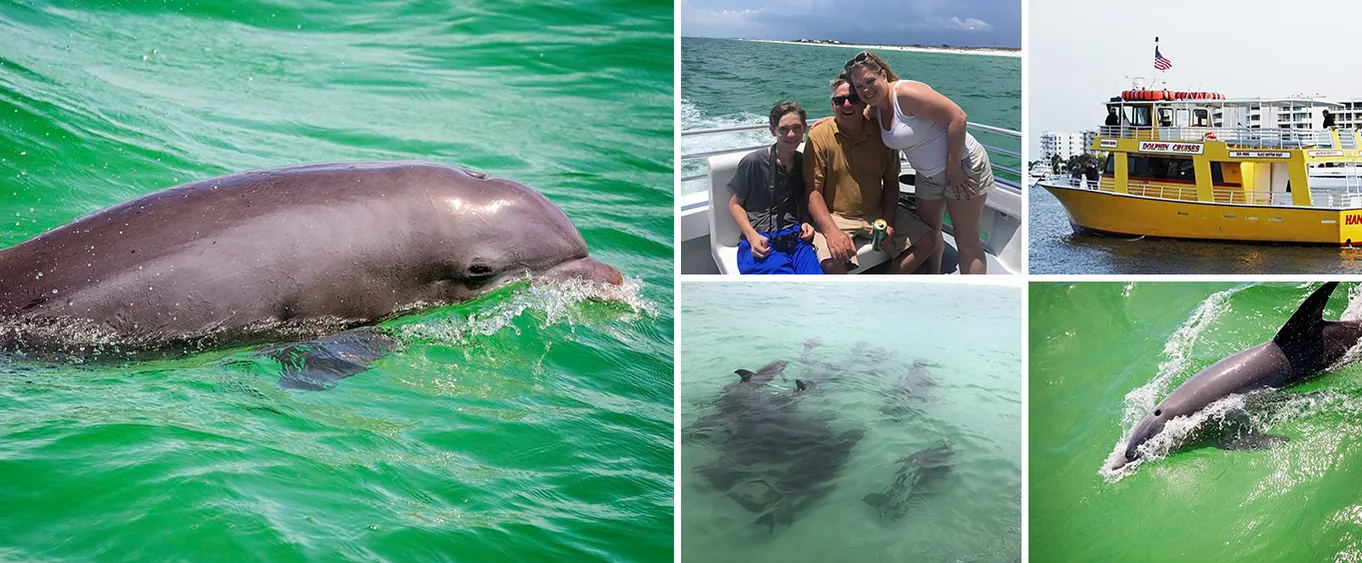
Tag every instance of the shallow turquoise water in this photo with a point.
(866, 335)
(533, 423)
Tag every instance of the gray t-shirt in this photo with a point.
(769, 209)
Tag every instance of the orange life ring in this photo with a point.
(1209, 136)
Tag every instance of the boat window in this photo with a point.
(1202, 118)
(1217, 175)
(1158, 168)
(1137, 115)
(1165, 117)
(1110, 168)
(1182, 118)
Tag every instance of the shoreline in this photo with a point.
(985, 51)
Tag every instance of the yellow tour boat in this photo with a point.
(1195, 165)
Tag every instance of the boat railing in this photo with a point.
(1271, 137)
(1007, 182)
(1330, 197)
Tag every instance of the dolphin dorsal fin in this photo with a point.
(745, 374)
(801, 385)
(1309, 318)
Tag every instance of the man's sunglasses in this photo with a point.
(837, 101)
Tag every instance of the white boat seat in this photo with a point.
(724, 233)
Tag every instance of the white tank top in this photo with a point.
(922, 141)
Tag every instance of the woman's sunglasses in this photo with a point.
(861, 57)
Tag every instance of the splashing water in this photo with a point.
(558, 302)
(1142, 399)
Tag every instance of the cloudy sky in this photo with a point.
(962, 23)
(1080, 53)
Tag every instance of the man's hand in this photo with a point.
(806, 231)
(840, 245)
(761, 248)
(888, 235)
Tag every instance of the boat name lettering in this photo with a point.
(1259, 154)
(1107, 143)
(1352, 219)
(1326, 153)
(1180, 148)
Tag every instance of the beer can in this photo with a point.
(878, 230)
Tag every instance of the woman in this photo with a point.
(767, 188)
(953, 171)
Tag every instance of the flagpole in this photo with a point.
(1164, 77)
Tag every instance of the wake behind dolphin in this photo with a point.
(1304, 346)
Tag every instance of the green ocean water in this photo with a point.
(532, 424)
(1103, 354)
(727, 82)
(855, 342)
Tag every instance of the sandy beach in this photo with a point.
(954, 50)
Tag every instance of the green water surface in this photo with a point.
(1102, 354)
(532, 424)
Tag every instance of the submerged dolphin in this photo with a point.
(810, 478)
(1303, 347)
(919, 471)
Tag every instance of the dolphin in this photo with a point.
(805, 482)
(1305, 346)
(282, 254)
(918, 471)
(764, 374)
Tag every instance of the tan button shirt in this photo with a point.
(852, 171)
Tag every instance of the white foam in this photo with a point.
(1174, 433)
(557, 301)
(1141, 400)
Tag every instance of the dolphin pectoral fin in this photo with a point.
(1251, 441)
(876, 499)
(769, 519)
(745, 374)
(317, 365)
(1308, 320)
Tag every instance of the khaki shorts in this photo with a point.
(907, 228)
(977, 168)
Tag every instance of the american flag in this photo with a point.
(1161, 63)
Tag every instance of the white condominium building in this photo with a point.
(1065, 145)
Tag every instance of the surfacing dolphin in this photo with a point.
(283, 254)
(1305, 345)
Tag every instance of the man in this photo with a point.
(852, 180)
(1113, 121)
(767, 187)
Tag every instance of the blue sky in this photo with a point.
(961, 23)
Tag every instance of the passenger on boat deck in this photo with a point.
(1113, 116)
(953, 170)
(1328, 119)
(767, 188)
(852, 180)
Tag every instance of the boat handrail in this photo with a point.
(1340, 197)
(1267, 137)
(760, 127)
